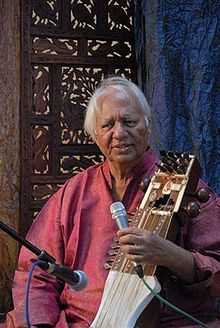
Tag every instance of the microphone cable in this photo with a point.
(172, 306)
(27, 292)
(159, 297)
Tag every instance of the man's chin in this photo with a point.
(125, 158)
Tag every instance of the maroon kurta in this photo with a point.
(75, 226)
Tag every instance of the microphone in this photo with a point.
(75, 279)
(119, 214)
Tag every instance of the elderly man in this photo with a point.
(75, 226)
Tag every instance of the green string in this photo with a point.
(175, 308)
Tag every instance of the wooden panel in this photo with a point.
(68, 47)
(9, 142)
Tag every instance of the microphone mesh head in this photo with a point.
(83, 280)
(119, 214)
(117, 208)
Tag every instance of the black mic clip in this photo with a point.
(44, 256)
(77, 280)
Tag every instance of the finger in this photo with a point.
(131, 240)
(130, 230)
(132, 250)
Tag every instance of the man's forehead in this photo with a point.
(119, 96)
(114, 95)
(123, 111)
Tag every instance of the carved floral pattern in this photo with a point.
(119, 15)
(83, 16)
(41, 149)
(45, 12)
(76, 164)
(41, 95)
(104, 48)
(78, 84)
(54, 46)
(44, 191)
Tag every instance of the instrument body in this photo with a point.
(124, 299)
(125, 296)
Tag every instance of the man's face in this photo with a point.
(121, 132)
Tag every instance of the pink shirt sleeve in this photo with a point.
(45, 233)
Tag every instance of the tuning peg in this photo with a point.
(113, 251)
(164, 167)
(108, 266)
(181, 170)
(202, 195)
(144, 184)
(171, 158)
(185, 156)
(192, 209)
(173, 155)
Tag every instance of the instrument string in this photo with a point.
(156, 222)
(117, 283)
(115, 287)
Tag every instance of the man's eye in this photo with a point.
(108, 125)
(130, 123)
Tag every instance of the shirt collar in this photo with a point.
(146, 166)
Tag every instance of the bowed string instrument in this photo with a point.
(126, 302)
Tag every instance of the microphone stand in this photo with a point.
(41, 254)
(43, 257)
(77, 280)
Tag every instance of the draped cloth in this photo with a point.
(178, 54)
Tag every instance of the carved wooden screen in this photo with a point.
(68, 47)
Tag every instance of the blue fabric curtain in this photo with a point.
(178, 53)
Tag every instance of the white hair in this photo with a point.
(128, 88)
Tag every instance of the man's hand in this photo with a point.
(142, 246)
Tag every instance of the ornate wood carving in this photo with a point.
(68, 47)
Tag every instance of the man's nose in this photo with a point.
(119, 130)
